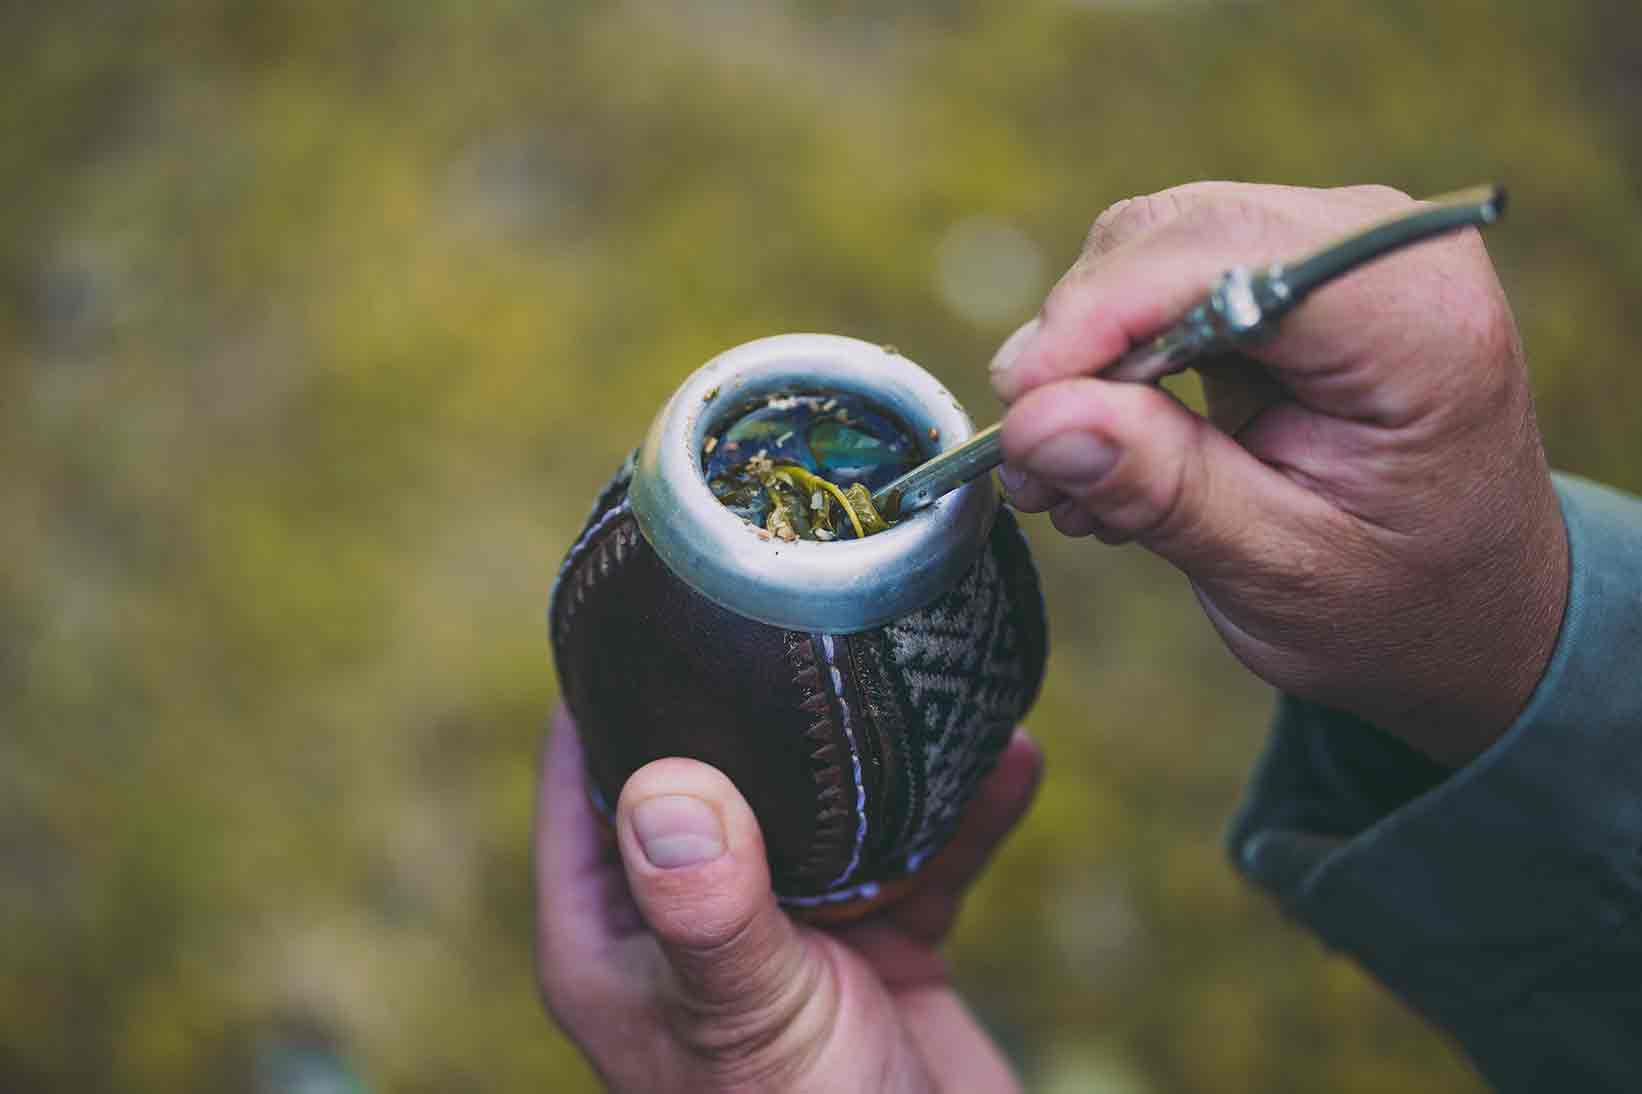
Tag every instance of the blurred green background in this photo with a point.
(322, 321)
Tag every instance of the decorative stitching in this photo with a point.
(583, 578)
(606, 503)
(884, 710)
(855, 763)
(572, 557)
(864, 891)
(831, 836)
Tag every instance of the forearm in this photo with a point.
(1502, 900)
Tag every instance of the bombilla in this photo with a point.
(1243, 309)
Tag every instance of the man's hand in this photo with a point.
(1374, 528)
(667, 959)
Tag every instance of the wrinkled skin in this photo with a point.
(1371, 525)
(693, 979)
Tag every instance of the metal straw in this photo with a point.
(1244, 308)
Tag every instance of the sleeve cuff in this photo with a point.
(1463, 890)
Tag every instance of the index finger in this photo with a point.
(1146, 262)
(1150, 261)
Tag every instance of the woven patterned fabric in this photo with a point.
(966, 674)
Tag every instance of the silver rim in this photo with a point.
(829, 588)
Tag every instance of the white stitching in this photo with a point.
(855, 763)
(864, 891)
(571, 557)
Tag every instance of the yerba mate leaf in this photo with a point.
(859, 501)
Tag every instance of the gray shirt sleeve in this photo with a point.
(1503, 900)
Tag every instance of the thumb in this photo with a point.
(1135, 464)
(695, 865)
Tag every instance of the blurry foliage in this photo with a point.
(322, 321)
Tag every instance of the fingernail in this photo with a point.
(1071, 458)
(1013, 479)
(676, 830)
(1011, 349)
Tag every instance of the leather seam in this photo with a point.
(577, 577)
(829, 652)
(826, 771)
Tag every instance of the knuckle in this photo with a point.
(1162, 207)
(709, 935)
(1197, 205)
(1098, 238)
(1487, 320)
(1149, 499)
(1150, 506)
(754, 1040)
(1492, 342)
(1135, 216)
(693, 914)
(739, 1051)
(1382, 195)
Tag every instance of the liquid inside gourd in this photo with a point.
(804, 466)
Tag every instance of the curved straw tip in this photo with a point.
(1494, 207)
